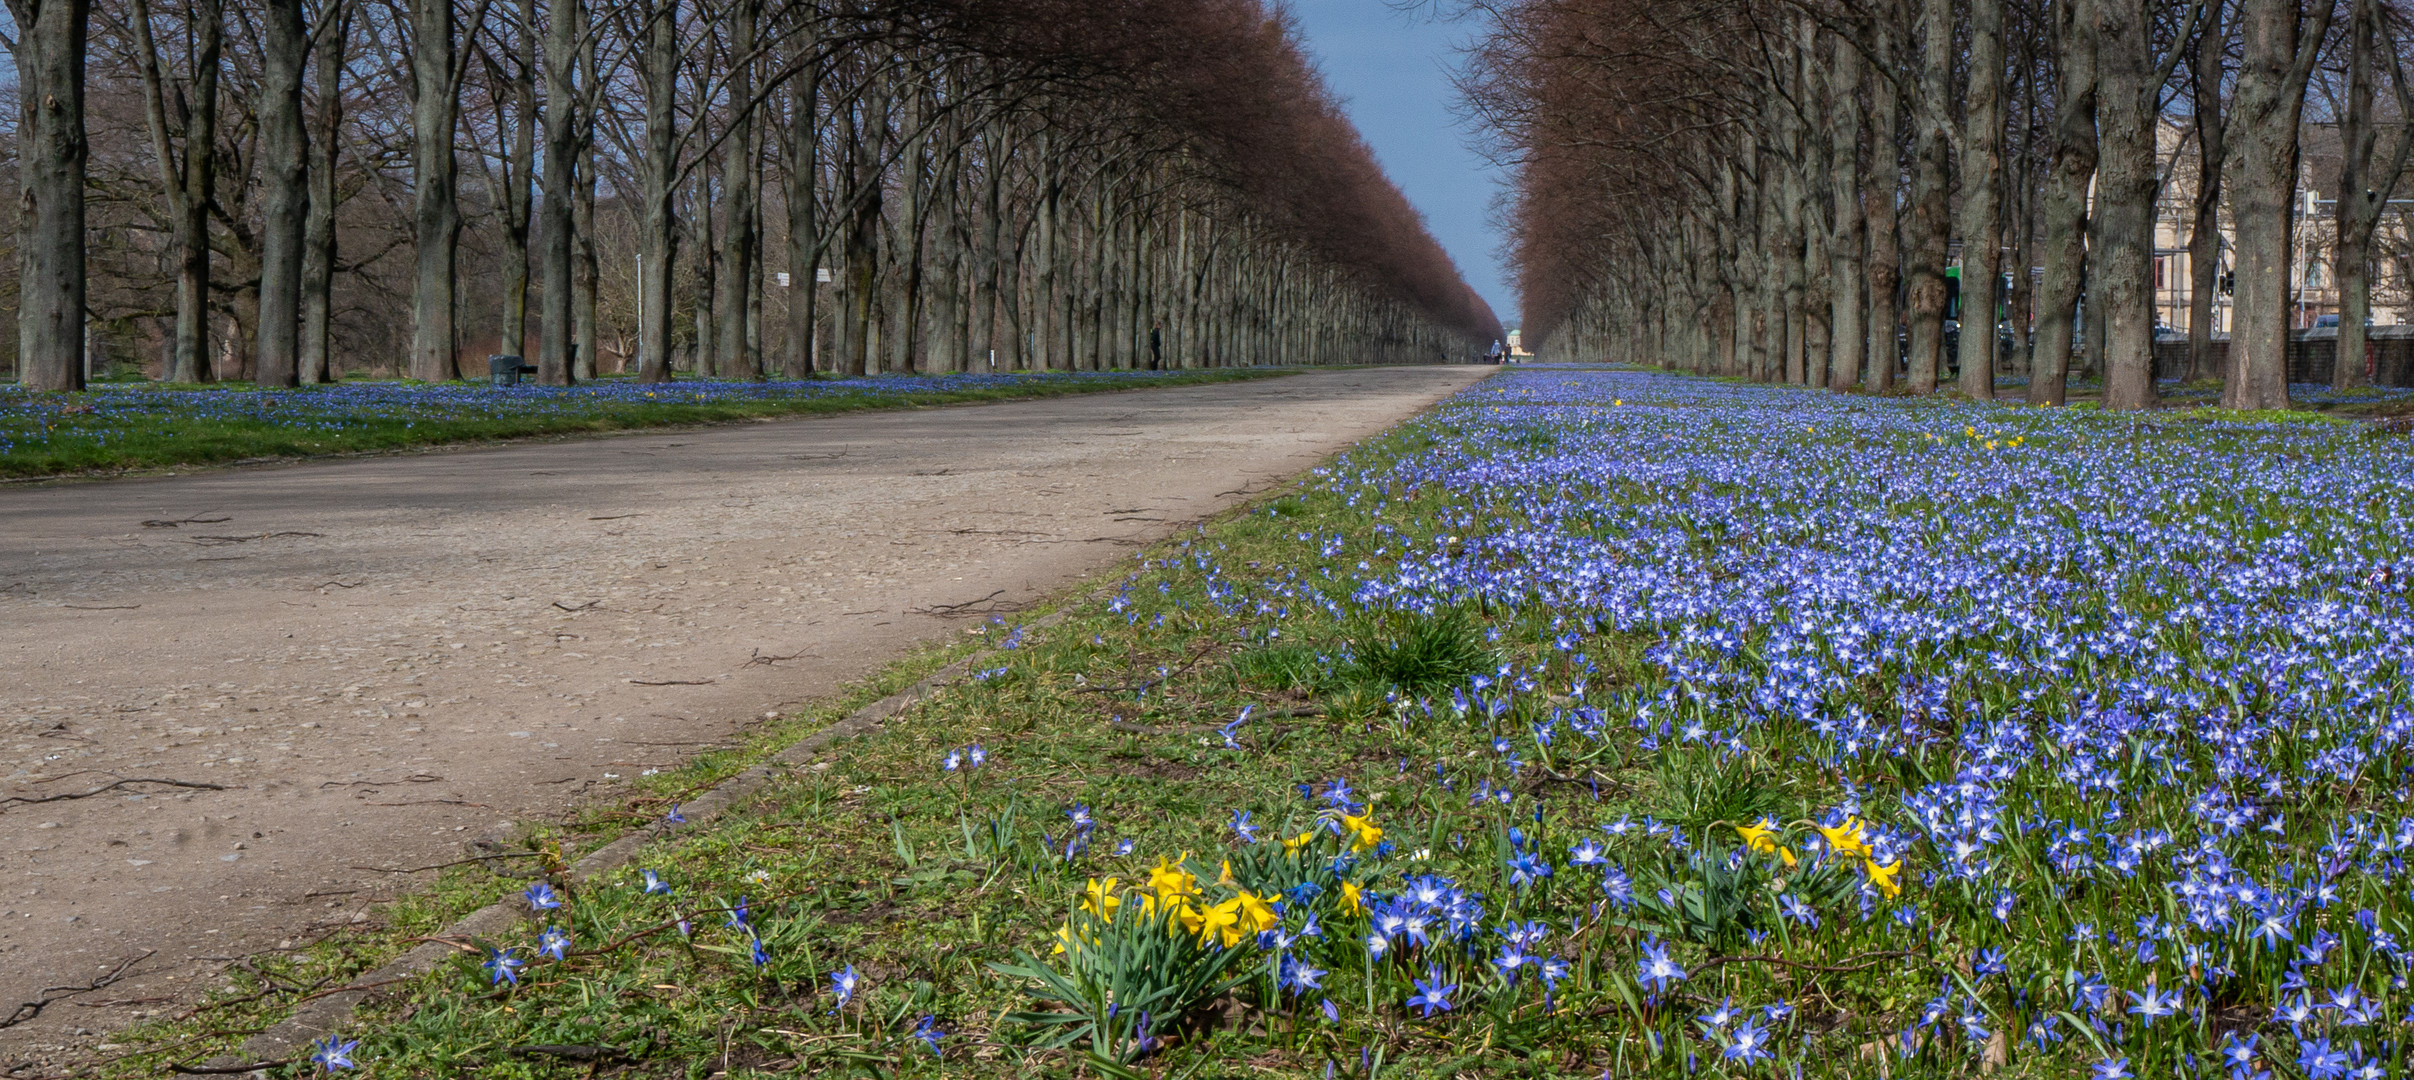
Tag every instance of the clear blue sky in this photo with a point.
(1393, 72)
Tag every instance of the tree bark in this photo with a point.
(2064, 207)
(1847, 260)
(2121, 268)
(285, 192)
(436, 210)
(804, 223)
(2280, 41)
(1880, 183)
(51, 153)
(741, 227)
(659, 170)
(1930, 225)
(2204, 229)
(318, 229)
(1981, 199)
(554, 244)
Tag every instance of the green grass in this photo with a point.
(120, 427)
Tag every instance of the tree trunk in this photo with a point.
(2121, 268)
(1847, 261)
(586, 271)
(2204, 230)
(318, 229)
(554, 243)
(518, 97)
(1930, 224)
(188, 181)
(2064, 207)
(741, 229)
(285, 191)
(659, 172)
(436, 211)
(1981, 199)
(2363, 191)
(51, 152)
(2266, 109)
(1885, 220)
(804, 223)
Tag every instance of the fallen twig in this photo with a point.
(108, 787)
(414, 778)
(455, 862)
(987, 605)
(227, 1070)
(164, 523)
(28, 1010)
(100, 607)
(216, 540)
(581, 607)
(1869, 960)
(671, 682)
(614, 517)
(599, 1055)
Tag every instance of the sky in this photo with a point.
(1392, 71)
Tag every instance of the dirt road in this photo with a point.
(369, 661)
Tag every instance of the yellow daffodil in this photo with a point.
(1257, 916)
(1295, 844)
(1224, 876)
(1883, 877)
(1353, 902)
(1846, 840)
(1171, 879)
(1221, 922)
(1759, 837)
(1363, 833)
(1970, 431)
(1066, 941)
(1098, 898)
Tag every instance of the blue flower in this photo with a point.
(674, 817)
(1298, 977)
(2110, 1069)
(541, 897)
(761, 955)
(1242, 827)
(739, 918)
(329, 1054)
(1432, 994)
(927, 1030)
(2320, 1062)
(1655, 971)
(1749, 1044)
(502, 967)
(553, 943)
(655, 885)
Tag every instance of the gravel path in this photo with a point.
(372, 661)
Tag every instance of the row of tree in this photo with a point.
(1777, 188)
(284, 190)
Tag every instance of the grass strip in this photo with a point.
(120, 427)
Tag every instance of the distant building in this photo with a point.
(2313, 279)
